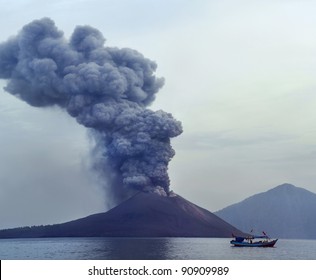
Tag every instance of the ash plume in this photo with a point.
(106, 89)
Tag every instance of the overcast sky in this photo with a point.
(240, 76)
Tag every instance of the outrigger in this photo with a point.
(249, 241)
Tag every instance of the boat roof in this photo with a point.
(252, 236)
(260, 236)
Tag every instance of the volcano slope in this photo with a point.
(143, 215)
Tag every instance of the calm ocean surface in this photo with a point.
(150, 249)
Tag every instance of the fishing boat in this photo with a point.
(250, 241)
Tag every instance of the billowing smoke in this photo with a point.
(106, 89)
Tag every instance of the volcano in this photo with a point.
(143, 215)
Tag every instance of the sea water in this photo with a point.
(150, 249)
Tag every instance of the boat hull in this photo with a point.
(270, 243)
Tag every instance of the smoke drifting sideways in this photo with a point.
(106, 89)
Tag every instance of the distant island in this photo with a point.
(143, 215)
(285, 211)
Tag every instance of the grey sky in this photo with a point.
(240, 76)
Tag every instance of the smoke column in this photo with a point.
(106, 89)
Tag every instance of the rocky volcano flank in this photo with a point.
(143, 215)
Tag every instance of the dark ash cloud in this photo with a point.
(106, 89)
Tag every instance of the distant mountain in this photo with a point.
(285, 211)
(143, 215)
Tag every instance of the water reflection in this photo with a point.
(158, 249)
(130, 248)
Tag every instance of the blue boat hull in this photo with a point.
(270, 243)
